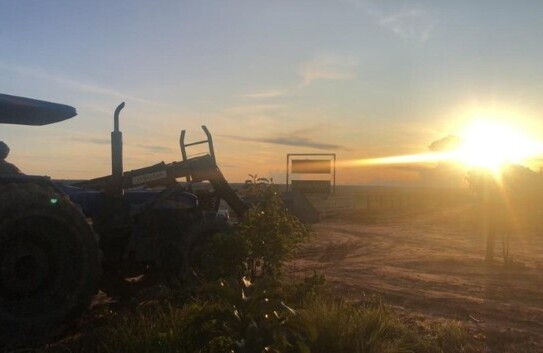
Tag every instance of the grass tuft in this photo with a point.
(343, 326)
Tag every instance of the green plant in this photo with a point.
(153, 328)
(304, 291)
(271, 233)
(256, 185)
(266, 237)
(226, 256)
(343, 326)
(243, 317)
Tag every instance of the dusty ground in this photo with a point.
(425, 265)
(431, 263)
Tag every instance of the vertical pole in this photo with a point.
(288, 158)
(334, 176)
(489, 223)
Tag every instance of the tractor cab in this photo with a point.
(26, 111)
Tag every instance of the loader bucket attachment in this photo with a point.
(299, 206)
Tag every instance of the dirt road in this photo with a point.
(431, 263)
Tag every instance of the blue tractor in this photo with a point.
(60, 243)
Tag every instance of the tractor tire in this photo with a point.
(49, 263)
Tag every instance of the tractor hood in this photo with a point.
(26, 111)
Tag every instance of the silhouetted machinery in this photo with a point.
(60, 243)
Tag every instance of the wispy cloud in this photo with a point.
(297, 141)
(80, 86)
(252, 109)
(411, 22)
(266, 94)
(155, 148)
(91, 140)
(298, 138)
(303, 142)
(447, 143)
(105, 141)
(312, 129)
(320, 68)
(329, 68)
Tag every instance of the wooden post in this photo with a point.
(489, 201)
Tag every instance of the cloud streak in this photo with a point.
(288, 141)
(450, 142)
(321, 68)
(100, 141)
(154, 148)
(413, 24)
(327, 68)
(252, 109)
(410, 23)
(296, 138)
(80, 86)
(91, 140)
(266, 94)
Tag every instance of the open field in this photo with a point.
(423, 258)
(431, 264)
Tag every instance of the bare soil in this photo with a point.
(432, 264)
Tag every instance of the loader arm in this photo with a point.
(198, 169)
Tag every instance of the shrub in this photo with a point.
(265, 238)
(306, 290)
(245, 318)
(226, 257)
(272, 235)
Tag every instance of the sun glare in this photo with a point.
(484, 144)
(491, 145)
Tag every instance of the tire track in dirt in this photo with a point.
(429, 269)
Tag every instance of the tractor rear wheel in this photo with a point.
(49, 263)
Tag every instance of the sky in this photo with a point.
(361, 79)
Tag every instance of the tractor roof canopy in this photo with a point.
(26, 111)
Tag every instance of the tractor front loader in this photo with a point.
(60, 244)
(143, 230)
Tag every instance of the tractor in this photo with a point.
(61, 243)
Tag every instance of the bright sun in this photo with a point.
(491, 145)
(484, 144)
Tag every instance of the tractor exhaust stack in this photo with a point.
(117, 146)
